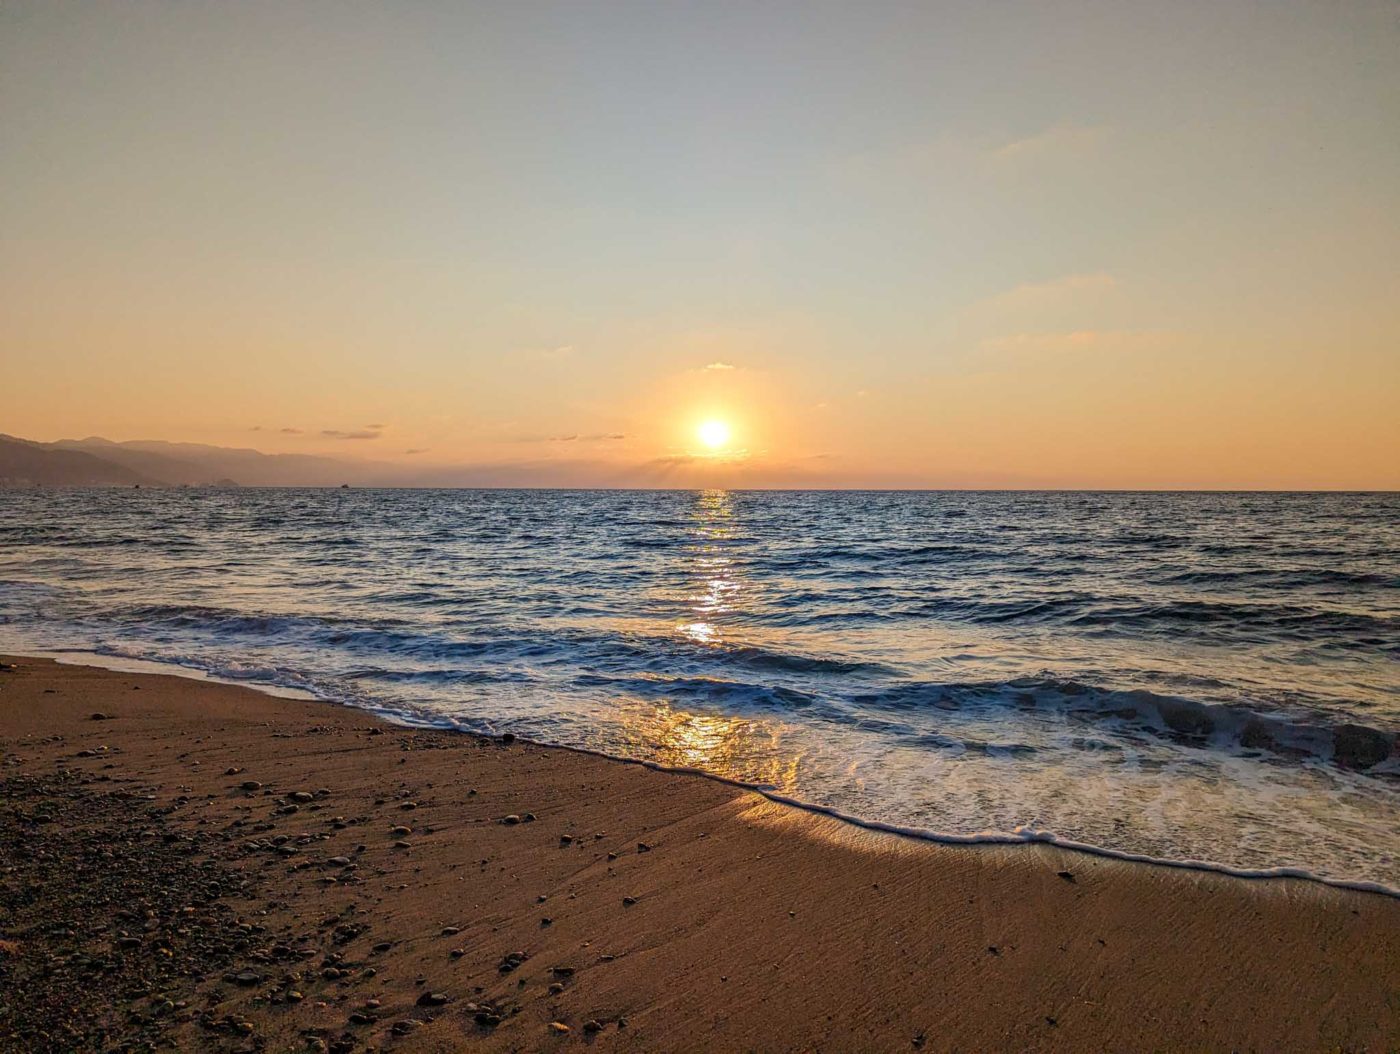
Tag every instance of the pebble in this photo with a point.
(559, 1028)
(451, 931)
(511, 820)
(408, 806)
(556, 988)
(629, 901)
(642, 847)
(432, 999)
(250, 785)
(1068, 876)
(593, 1025)
(301, 796)
(400, 831)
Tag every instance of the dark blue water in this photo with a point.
(1194, 676)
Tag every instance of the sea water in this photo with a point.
(1197, 676)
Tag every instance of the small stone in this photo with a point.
(629, 901)
(400, 831)
(511, 820)
(301, 796)
(408, 806)
(382, 946)
(563, 971)
(432, 999)
(507, 737)
(559, 1028)
(556, 988)
(250, 785)
(593, 1025)
(401, 844)
(451, 931)
(246, 979)
(642, 847)
(1068, 876)
(100, 716)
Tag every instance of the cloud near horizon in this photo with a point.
(363, 433)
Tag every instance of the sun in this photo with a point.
(714, 434)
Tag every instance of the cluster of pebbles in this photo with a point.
(126, 927)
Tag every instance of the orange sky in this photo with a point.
(951, 246)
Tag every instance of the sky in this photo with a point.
(976, 244)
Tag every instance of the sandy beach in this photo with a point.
(197, 866)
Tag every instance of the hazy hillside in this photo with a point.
(198, 464)
(23, 463)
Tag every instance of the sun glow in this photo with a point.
(714, 434)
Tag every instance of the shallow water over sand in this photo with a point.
(1194, 676)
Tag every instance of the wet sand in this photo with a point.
(206, 867)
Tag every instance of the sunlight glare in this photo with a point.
(714, 434)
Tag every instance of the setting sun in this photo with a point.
(714, 434)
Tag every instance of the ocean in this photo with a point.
(1190, 677)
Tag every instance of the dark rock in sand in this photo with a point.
(250, 785)
(432, 999)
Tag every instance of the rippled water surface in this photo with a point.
(1195, 676)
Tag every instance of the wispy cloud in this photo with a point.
(1058, 139)
(721, 366)
(416, 450)
(362, 433)
(290, 431)
(594, 437)
(1076, 340)
(1070, 286)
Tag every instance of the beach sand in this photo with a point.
(146, 897)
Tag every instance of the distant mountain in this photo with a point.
(26, 464)
(198, 464)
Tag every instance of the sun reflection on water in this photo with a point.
(733, 747)
(718, 589)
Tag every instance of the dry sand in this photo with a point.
(146, 898)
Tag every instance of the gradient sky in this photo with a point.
(937, 244)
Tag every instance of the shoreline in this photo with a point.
(122, 664)
(916, 944)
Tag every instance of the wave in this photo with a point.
(1326, 736)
